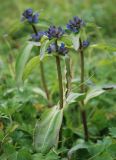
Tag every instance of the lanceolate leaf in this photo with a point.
(93, 93)
(104, 47)
(47, 130)
(30, 66)
(73, 97)
(21, 61)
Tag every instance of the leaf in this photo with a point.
(73, 97)
(50, 156)
(66, 39)
(21, 61)
(75, 41)
(39, 91)
(104, 47)
(103, 156)
(113, 132)
(43, 49)
(38, 156)
(94, 92)
(100, 147)
(47, 130)
(112, 150)
(43, 23)
(76, 148)
(30, 66)
(24, 154)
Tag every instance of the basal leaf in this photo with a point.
(47, 130)
(30, 66)
(76, 148)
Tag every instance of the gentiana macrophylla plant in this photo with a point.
(53, 43)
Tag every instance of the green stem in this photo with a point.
(68, 76)
(60, 80)
(82, 87)
(42, 72)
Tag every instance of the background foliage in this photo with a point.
(19, 109)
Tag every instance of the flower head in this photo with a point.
(38, 36)
(54, 32)
(62, 50)
(85, 43)
(75, 24)
(30, 16)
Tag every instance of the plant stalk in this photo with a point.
(82, 87)
(60, 80)
(42, 72)
(68, 76)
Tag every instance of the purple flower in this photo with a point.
(85, 43)
(54, 32)
(30, 16)
(62, 50)
(27, 13)
(35, 18)
(75, 24)
(38, 36)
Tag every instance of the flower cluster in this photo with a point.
(75, 24)
(38, 36)
(30, 16)
(54, 32)
(62, 50)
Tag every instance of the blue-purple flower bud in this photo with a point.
(30, 16)
(55, 32)
(61, 50)
(75, 24)
(85, 43)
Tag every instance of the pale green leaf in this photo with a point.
(104, 47)
(73, 97)
(67, 40)
(43, 49)
(21, 61)
(75, 41)
(39, 91)
(30, 66)
(94, 92)
(47, 130)
(76, 148)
